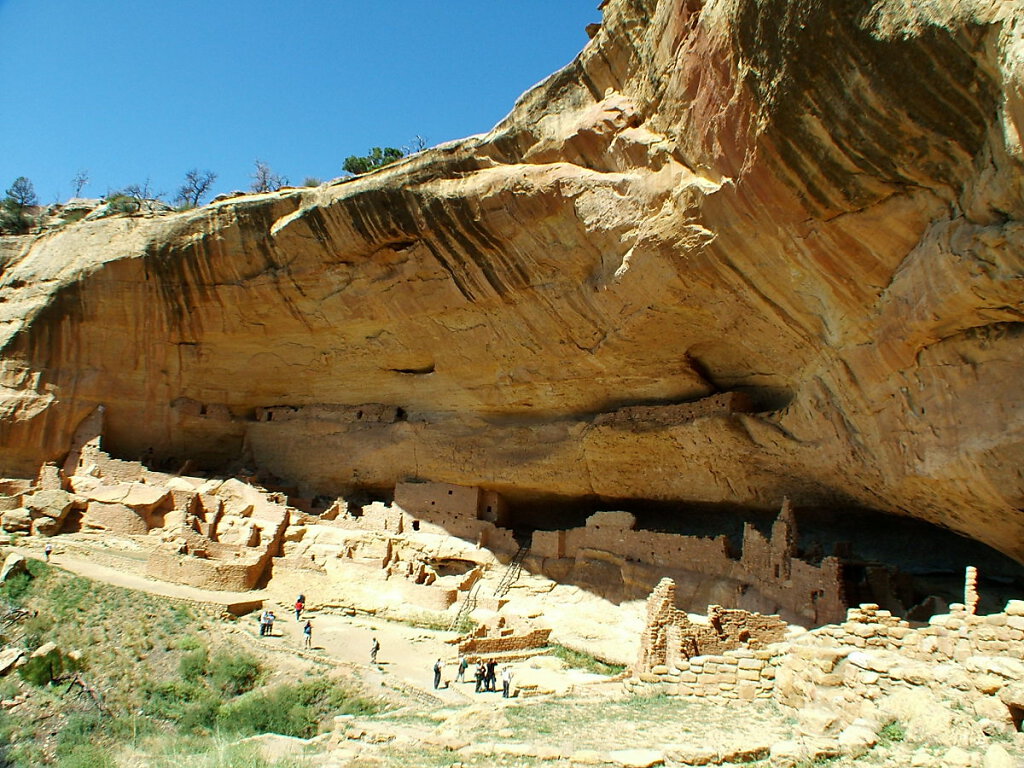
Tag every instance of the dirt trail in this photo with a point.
(128, 579)
(406, 656)
(407, 653)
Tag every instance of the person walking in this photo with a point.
(270, 623)
(299, 605)
(263, 624)
(460, 676)
(491, 679)
(506, 681)
(374, 648)
(47, 550)
(308, 632)
(437, 674)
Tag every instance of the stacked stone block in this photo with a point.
(955, 636)
(737, 674)
(873, 655)
(501, 637)
(870, 656)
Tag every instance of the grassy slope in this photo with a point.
(162, 689)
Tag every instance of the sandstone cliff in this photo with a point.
(817, 204)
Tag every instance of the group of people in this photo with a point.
(267, 619)
(485, 675)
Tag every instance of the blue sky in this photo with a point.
(130, 90)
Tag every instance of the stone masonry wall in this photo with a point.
(502, 636)
(812, 592)
(536, 638)
(639, 417)
(672, 640)
(867, 658)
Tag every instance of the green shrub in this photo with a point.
(8, 690)
(42, 670)
(14, 220)
(79, 730)
(120, 203)
(892, 732)
(377, 158)
(585, 661)
(234, 673)
(193, 664)
(290, 710)
(69, 597)
(16, 588)
(200, 715)
(86, 756)
(190, 643)
(173, 699)
(35, 630)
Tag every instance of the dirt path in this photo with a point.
(406, 656)
(405, 660)
(120, 577)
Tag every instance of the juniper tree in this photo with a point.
(197, 184)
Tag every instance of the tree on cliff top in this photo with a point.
(378, 158)
(14, 216)
(265, 180)
(22, 193)
(197, 183)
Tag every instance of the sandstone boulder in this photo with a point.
(1012, 695)
(17, 520)
(9, 656)
(44, 650)
(995, 710)
(996, 756)
(856, 739)
(957, 757)
(116, 518)
(636, 758)
(13, 565)
(787, 754)
(52, 504)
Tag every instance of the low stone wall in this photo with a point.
(512, 642)
(738, 674)
(873, 655)
(643, 417)
(870, 656)
(957, 635)
(207, 574)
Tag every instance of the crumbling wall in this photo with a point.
(768, 565)
(642, 417)
(371, 517)
(670, 637)
(369, 413)
(239, 576)
(502, 635)
(187, 407)
(866, 658)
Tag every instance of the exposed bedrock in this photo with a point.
(818, 204)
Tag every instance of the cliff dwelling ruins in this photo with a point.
(235, 533)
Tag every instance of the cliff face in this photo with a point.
(817, 204)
